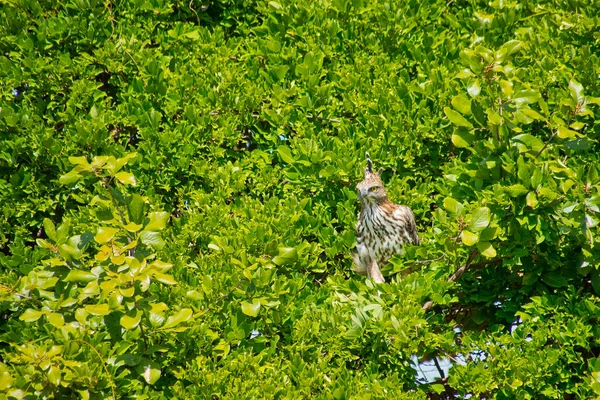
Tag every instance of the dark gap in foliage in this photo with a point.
(107, 87)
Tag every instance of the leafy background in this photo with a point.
(176, 185)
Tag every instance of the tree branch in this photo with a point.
(455, 276)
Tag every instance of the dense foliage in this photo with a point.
(178, 206)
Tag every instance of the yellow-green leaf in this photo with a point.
(68, 178)
(182, 315)
(31, 315)
(516, 190)
(480, 219)
(97, 309)
(456, 118)
(77, 275)
(453, 206)
(105, 234)
(157, 221)
(566, 133)
(126, 178)
(286, 256)
(165, 278)
(133, 227)
(150, 371)
(486, 249)
(56, 319)
(132, 319)
(469, 238)
(54, 375)
(251, 309)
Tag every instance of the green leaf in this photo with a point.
(530, 142)
(592, 177)
(555, 279)
(595, 281)
(79, 161)
(462, 104)
(135, 208)
(488, 234)
(62, 232)
(152, 239)
(480, 219)
(576, 90)
(77, 275)
(285, 154)
(456, 118)
(469, 238)
(97, 309)
(474, 89)
(126, 178)
(526, 96)
(531, 200)
(69, 178)
(54, 375)
(31, 315)
(251, 309)
(438, 388)
(105, 234)
(511, 47)
(56, 319)
(486, 249)
(516, 190)
(149, 370)
(453, 206)
(566, 133)
(165, 278)
(181, 316)
(286, 256)
(462, 138)
(133, 227)
(50, 229)
(132, 319)
(157, 221)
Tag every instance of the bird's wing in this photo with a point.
(404, 214)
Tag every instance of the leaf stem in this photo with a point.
(110, 380)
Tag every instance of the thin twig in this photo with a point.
(429, 261)
(112, 384)
(107, 185)
(220, 299)
(547, 143)
(454, 276)
(323, 119)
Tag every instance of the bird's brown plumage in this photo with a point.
(383, 227)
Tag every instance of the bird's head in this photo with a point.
(371, 190)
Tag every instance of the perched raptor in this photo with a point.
(383, 227)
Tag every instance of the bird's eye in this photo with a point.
(374, 189)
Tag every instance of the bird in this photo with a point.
(383, 227)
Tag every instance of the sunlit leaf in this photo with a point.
(251, 309)
(480, 219)
(105, 234)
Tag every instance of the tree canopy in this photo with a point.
(178, 205)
